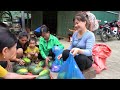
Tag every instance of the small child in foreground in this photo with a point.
(32, 51)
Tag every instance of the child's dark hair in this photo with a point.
(33, 39)
(7, 38)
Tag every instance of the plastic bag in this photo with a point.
(57, 63)
(56, 66)
(100, 54)
(70, 70)
(57, 50)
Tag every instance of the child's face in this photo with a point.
(32, 43)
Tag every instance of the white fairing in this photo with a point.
(115, 30)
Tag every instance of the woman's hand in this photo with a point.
(75, 51)
(21, 62)
(46, 60)
(29, 76)
(59, 57)
(11, 75)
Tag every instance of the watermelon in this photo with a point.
(17, 67)
(42, 63)
(44, 72)
(22, 71)
(31, 67)
(37, 70)
(43, 77)
(26, 60)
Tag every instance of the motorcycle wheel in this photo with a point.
(118, 36)
(104, 36)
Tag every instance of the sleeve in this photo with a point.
(89, 45)
(57, 42)
(37, 49)
(70, 47)
(3, 72)
(41, 50)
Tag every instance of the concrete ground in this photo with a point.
(113, 62)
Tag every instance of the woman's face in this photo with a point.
(79, 25)
(45, 35)
(10, 53)
(23, 40)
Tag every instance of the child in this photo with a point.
(32, 34)
(70, 35)
(32, 51)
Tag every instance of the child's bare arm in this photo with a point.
(71, 30)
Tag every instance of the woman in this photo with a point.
(46, 43)
(8, 43)
(82, 44)
(22, 44)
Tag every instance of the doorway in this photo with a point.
(50, 19)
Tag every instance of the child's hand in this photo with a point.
(36, 54)
(32, 53)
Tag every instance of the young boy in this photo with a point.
(32, 51)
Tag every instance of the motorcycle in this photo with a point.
(109, 30)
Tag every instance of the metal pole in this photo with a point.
(23, 20)
(27, 18)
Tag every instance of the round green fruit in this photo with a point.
(42, 63)
(44, 72)
(17, 67)
(43, 77)
(26, 60)
(31, 67)
(37, 70)
(22, 71)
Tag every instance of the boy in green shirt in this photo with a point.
(46, 43)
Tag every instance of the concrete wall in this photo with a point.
(105, 16)
(36, 19)
(65, 20)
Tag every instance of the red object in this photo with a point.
(101, 27)
(112, 28)
(100, 53)
(119, 31)
(29, 73)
